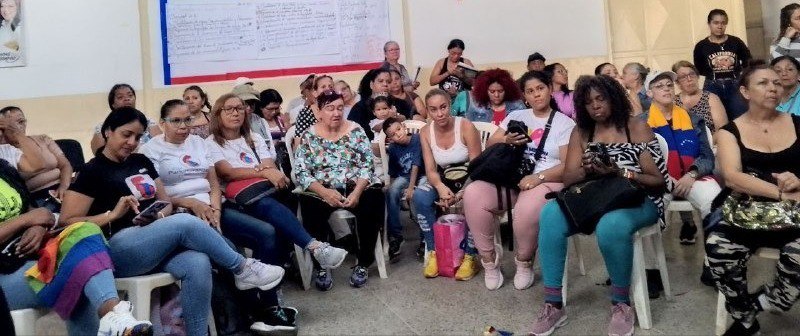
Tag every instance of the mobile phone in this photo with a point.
(150, 214)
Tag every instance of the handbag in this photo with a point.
(744, 211)
(454, 176)
(584, 203)
(250, 190)
(493, 164)
(449, 232)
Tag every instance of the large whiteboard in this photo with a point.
(217, 40)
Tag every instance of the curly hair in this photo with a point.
(480, 88)
(612, 91)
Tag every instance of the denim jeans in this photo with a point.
(424, 205)
(284, 221)
(180, 245)
(728, 92)
(257, 235)
(393, 198)
(84, 320)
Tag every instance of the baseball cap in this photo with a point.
(242, 80)
(245, 92)
(657, 75)
(536, 57)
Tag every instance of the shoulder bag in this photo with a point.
(250, 190)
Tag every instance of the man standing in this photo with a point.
(720, 58)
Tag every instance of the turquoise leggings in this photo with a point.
(614, 232)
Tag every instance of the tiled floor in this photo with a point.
(408, 304)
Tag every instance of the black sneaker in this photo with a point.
(394, 248)
(421, 251)
(707, 278)
(323, 279)
(688, 232)
(275, 321)
(737, 329)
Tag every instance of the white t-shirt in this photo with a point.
(11, 154)
(559, 135)
(182, 168)
(238, 153)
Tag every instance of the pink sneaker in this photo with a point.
(549, 319)
(622, 318)
(492, 275)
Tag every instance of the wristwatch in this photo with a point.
(540, 177)
(693, 174)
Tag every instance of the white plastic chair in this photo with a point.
(25, 320)
(486, 130)
(414, 125)
(684, 205)
(721, 323)
(139, 289)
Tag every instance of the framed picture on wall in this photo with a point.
(11, 46)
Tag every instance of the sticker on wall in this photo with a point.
(11, 46)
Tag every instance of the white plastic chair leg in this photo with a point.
(379, 259)
(25, 320)
(564, 279)
(639, 286)
(658, 246)
(576, 243)
(304, 264)
(212, 326)
(140, 299)
(721, 322)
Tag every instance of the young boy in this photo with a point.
(405, 159)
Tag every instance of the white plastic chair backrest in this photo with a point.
(664, 148)
(381, 138)
(486, 130)
(414, 125)
(711, 140)
(289, 140)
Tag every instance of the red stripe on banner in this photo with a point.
(275, 73)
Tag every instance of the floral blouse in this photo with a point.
(334, 163)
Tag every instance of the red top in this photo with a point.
(498, 116)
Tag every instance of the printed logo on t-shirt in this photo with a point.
(722, 61)
(245, 158)
(187, 160)
(536, 137)
(141, 186)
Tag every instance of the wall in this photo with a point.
(771, 13)
(656, 32)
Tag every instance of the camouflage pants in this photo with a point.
(727, 254)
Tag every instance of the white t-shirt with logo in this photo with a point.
(559, 135)
(182, 168)
(238, 153)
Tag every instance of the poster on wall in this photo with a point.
(11, 47)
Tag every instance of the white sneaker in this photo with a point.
(328, 256)
(257, 274)
(492, 275)
(524, 276)
(119, 322)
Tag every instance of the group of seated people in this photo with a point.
(197, 149)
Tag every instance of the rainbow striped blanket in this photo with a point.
(66, 263)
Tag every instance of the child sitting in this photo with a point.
(405, 159)
(382, 108)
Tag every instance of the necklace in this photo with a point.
(763, 125)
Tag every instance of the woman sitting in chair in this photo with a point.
(334, 165)
(690, 160)
(90, 307)
(759, 154)
(48, 184)
(632, 151)
(480, 208)
(118, 185)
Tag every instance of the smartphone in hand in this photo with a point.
(150, 214)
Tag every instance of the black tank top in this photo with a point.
(768, 163)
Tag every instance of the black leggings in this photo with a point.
(369, 215)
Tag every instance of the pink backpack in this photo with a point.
(448, 234)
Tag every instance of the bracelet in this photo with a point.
(780, 195)
(108, 214)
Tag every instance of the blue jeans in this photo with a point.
(424, 205)
(728, 92)
(180, 245)
(614, 232)
(84, 320)
(257, 235)
(268, 209)
(393, 198)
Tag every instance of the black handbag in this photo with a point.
(454, 176)
(504, 164)
(585, 202)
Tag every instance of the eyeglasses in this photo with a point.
(687, 76)
(176, 122)
(231, 110)
(665, 86)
